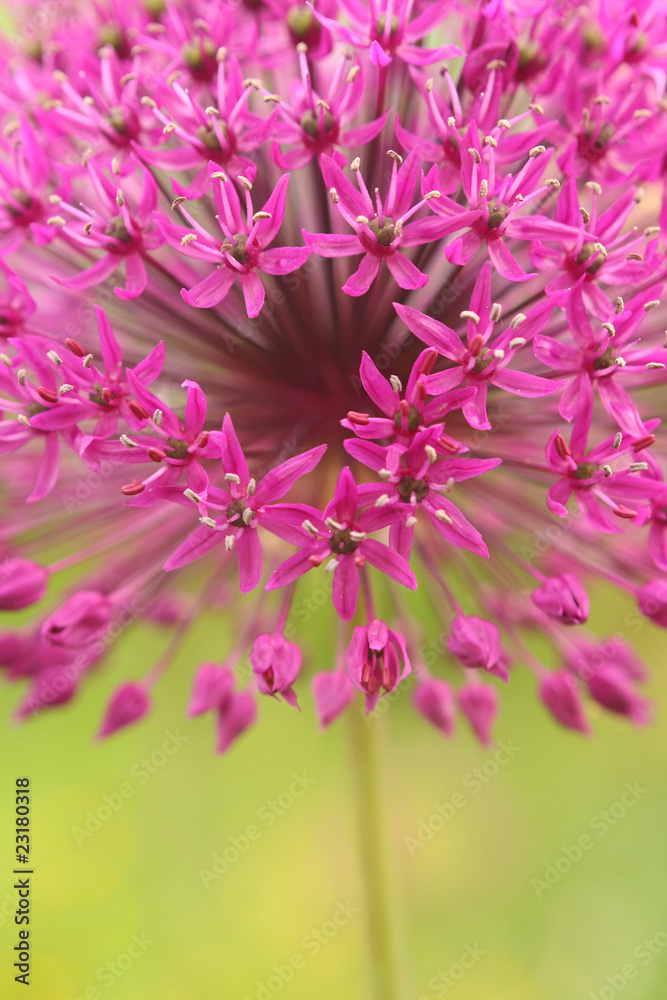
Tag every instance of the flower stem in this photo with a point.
(383, 953)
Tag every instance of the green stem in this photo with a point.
(366, 747)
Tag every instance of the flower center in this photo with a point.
(497, 216)
(409, 487)
(385, 233)
(585, 470)
(341, 544)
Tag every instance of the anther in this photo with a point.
(6, 360)
(231, 477)
(475, 155)
(244, 182)
(261, 215)
(229, 542)
(651, 365)
(410, 521)
(385, 475)
(643, 442)
(469, 314)
(358, 536)
(396, 157)
(187, 240)
(65, 387)
(55, 358)
(139, 411)
(617, 440)
(430, 195)
(23, 420)
(309, 527)
(252, 486)
(157, 418)
(396, 383)
(638, 466)
(191, 495)
(210, 523)
(178, 201)
(356, 164)
(483, 189)
(333, 525)
(496, 312)
(585, 215)
(358, 418)
(333, 194)
(128, 442)
(330, 566)
(21, 374)
(106, 395)
(651, 305)
(562, 447)
(517, 342)
(383, 500)
(608, 471)
(610, 328)
(48, 395)
(517, 320)
(247, 516)
(133, 489)
(619, 305)
(431, 453)
(156, 454)
(442, 515)
(622, 511)
(536, 150)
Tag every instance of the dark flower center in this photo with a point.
(586, 253)
(341, 544)
(384, 234)
(409, 487)
(585, 470)
(497, 216)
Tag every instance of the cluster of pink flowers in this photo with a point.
(362, 289)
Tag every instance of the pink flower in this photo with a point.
(276, 663)
(128, 704)
(559, 693)
(377, 661)
(243, 251)
(479, 704)
(265, 408)
(333, 691)
(563, 598)
(381, 228)
(22, 583)
(434, 700)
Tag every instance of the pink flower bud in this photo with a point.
(83, 619)
(129, 703)
(479, 703)
(559, 693)
(236, 715)
(276, 664)
(613, 690)
(211, 689)
(474, 642)
(563, 597)
(54, 685)
(22, 583)
(333, 691)
(652, 600)
(434, 700)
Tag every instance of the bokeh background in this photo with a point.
(477, 887)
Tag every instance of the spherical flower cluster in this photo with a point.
(367, 290)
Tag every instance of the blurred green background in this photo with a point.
(476, 887)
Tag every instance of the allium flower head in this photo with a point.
(363, 295)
